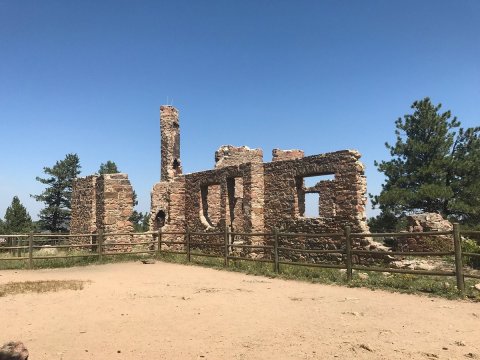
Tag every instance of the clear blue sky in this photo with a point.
(88, 77)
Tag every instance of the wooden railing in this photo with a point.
(25, 247)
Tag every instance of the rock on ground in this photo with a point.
(13, 350)
(47, 250)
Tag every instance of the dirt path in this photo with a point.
(170, 311)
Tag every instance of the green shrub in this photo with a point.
(471, 246)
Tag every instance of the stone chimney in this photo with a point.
(170, 146)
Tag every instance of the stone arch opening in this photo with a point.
(160, 219)
(176, 164)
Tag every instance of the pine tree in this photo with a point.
(108, 168)
(17, 219)
(55, 217)
(140, 221)
(435, 166)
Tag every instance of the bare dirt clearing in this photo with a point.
(171, 311)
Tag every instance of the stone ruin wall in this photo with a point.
(228, 155)
(341, 201)
(104, 203)
(247, 195)
(115, 203)
(257, 197)
(168, 209)
(84, 206)
(242, 193)
(238, 199)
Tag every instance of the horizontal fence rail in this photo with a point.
(27, 247)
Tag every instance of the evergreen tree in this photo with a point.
(17, 219)
(2, 228)
(108, 168)
(140, 221)
(386, 221)
(435, 167)
(55, 217)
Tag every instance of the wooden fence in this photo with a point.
(22, 247)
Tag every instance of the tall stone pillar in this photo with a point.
(170, 146)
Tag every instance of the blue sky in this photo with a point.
(88, 77)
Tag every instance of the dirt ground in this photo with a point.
(171, 311)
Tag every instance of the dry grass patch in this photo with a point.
(40, 286)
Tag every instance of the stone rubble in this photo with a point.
(422, 223)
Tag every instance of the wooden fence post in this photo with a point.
(100, 244)
(187, 235)
(225, 238)
(457, 243)
(348, 250)
(19, 243)
(276, 265)
(30, 250)
(159, 242)
(11, 243)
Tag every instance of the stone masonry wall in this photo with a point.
(114, 208)
(115, 203)
(281, 155)
(84, 206)
(345, 196)
(238, 206)
(228, 155)
(247, 195)
(168, 201)
(102, 203)
(257, 197)
(244, 193)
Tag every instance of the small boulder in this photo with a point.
(363, 276)
(148, 261)
(47, 250)
(13, 350)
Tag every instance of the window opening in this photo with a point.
(160, 219)
(315, 196)
(210, 201)
(312, 205)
